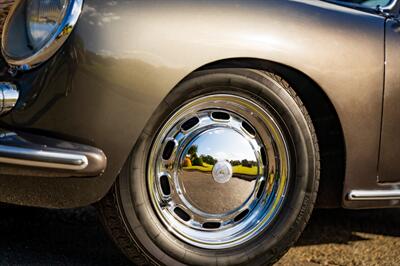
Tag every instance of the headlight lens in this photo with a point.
(43, 17)
(35, 29)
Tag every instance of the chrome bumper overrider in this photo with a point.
(27, 154)
(8, 96)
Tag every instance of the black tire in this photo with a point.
(128, 214)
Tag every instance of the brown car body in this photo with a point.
(123, 58)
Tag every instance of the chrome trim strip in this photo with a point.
(50, 48)
(374, 195)
(383, 9)
(41, 158)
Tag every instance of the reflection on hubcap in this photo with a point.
(220, 167)
(222, 172)
(218, 171)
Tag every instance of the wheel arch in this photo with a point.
(324, 117)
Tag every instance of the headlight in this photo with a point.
(43, 17)
(35, 29)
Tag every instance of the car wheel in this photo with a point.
(225, 173)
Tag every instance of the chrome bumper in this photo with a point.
(32, 155)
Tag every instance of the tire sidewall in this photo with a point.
(140, 219)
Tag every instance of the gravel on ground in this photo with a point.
(76, 237)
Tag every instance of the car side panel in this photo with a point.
(389, 166)
(124, 57)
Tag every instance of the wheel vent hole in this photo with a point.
(168, 150)
(241, 215)
(212, 225)
(165, 187)
(220, 116)
(249, 129)
(261, 189)
(192, 122)
(263, 156)
(182, 214)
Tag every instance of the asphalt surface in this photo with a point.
(31, 236)
(343, 237)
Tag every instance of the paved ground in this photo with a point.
(75, 237)
(339, 237)
(30, 236)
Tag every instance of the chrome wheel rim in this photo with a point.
(218, 171)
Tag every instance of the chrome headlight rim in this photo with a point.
(51, 46)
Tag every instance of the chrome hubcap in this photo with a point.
(218, 171)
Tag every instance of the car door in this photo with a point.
(389, 160)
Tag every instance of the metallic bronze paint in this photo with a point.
(389, 168)
(124, 57)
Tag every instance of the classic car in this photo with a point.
(205, 132)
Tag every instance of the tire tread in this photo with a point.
(113, 219)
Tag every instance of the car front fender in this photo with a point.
(124, 57)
